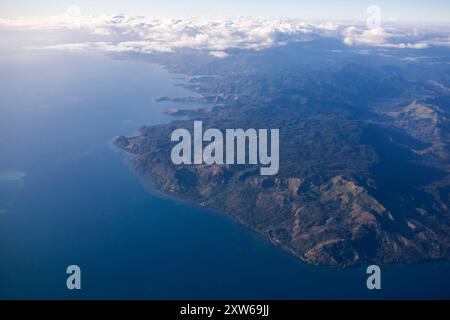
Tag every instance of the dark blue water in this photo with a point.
(66, 197)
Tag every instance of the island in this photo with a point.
(364, 150)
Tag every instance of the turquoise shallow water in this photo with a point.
(67, 197)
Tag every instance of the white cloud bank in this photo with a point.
(378, 37)
(120, 33)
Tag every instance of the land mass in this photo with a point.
(364, 151)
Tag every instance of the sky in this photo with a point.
(404, 10)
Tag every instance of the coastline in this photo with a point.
(320, 256)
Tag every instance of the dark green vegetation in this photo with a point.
(364, 148)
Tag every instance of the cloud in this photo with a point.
(379, 37)
(355, 36)
(218, 54)
(121, 33)
(153, 34)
